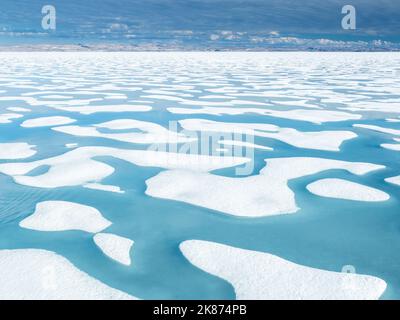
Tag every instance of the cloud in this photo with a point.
(202, 21)
(214, 37)
(324, 43)
(118, 27)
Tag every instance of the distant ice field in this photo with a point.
(105, 173)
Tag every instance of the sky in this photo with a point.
(204, 24)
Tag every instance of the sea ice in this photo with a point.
(71, 145)
(394, 180)
(63, 216)
(103, 187)
(343, 189)
(57, 97)
(263, 276)
(244, 144)
(374, 106)
(393, 120)
(262, 195)
(47, 122)
(33, 274)
(297, 103)
(391, 146)
(12, 151)
(116, 247)
(378, 129)
(319, 140)
(149, 132)
(87, 110)
(77, 167)
(51, 103)
(7, 117)
(18, 109)
(314, 116)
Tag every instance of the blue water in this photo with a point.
(325, 233)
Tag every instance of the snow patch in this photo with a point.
(63, 216)
(116, 247)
